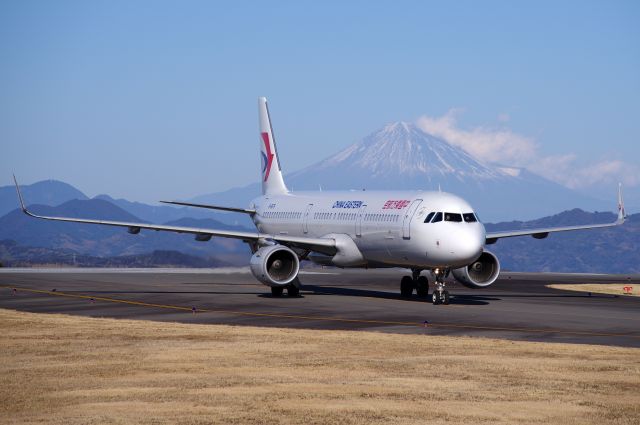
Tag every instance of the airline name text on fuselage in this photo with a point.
(347, 204)
(396, 204)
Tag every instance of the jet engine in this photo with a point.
(275, 265)
(479, 274)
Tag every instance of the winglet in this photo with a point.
(24, 209)
(621, 212)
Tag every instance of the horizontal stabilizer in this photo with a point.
(211, 207)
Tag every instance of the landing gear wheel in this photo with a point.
(445, 297)
(422, 287)
(276, 291)
(293, 291)
(440, 295)
(406, 287)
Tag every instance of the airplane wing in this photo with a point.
(541, 233)
(323, 245)
(212, 207)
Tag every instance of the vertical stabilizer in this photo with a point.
(622, 214)
(272, 181)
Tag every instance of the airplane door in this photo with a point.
(361, 212)
(305, 221)
(406, 224)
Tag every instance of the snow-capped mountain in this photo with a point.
(399, 149)
(401, 156)
(404, 147)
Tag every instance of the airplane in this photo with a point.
(437, 232)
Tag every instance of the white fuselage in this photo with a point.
(388, 227)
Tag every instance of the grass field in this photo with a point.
(600, 288)
(71, 370)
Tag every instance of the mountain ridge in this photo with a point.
(104, 241)
(45, 192)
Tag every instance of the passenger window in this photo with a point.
(437, 218)
(457, 218)
(429, 217)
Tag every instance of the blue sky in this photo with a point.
(155, 100)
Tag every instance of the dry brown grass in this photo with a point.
(69, 370)
(599, 288)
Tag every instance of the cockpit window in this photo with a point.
(429, 217)
(453, 217)
(437, 217)
(469, 218)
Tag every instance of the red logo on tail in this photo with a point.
(269, 155)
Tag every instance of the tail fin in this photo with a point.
(622, 214)
(272, 181)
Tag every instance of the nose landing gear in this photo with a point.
(440, 295)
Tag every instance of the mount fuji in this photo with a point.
(400, 156)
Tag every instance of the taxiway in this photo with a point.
(518, 306)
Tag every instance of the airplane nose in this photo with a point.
(461, 247)
(470, 246)
(470, 250)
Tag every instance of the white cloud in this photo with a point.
(505, 147)
(497, 145)
(556, 167)
(563, 169)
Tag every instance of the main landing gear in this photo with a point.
(292, 290)
(417, 282)
(440, 295)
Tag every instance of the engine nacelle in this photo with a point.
(275, 265)
(481, 273)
